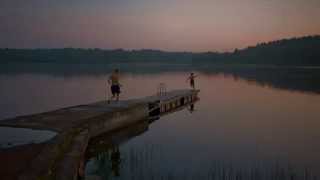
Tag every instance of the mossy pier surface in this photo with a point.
(62, 157)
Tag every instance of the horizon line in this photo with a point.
(166, 51)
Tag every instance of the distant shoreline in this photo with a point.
(303, 52)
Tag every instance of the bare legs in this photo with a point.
(192, 86)
(115, 96)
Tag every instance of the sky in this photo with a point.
(171, 25)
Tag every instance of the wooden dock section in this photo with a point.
(62, 157)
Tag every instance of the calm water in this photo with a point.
(10, 137)
(238, 127)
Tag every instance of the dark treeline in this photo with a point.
(304, 51)
(268, 64)
(92, 56)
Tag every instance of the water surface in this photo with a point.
(10, 137)
(238, 126)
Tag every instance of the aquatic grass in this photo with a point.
(142, 163)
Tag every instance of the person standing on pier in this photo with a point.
(191, 80)
(115, 85)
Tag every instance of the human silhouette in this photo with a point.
(115, 84)
(191, 79)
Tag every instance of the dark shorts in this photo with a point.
(115, 89)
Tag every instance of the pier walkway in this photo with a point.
(62, 157)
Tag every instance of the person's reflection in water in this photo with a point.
(191, 108)
(115, 161)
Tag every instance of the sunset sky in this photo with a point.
(174, 25)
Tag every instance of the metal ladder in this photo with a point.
(162, 89)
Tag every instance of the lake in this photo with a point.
(239, 127)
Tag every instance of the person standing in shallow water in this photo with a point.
(115, 85)
(191, 80)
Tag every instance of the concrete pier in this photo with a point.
(62, 157)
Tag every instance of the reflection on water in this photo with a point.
(305, 79)
(143, 163)
(10, 137)
(238, 126)
(113, 156)
(191, 108)
(104, 157)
